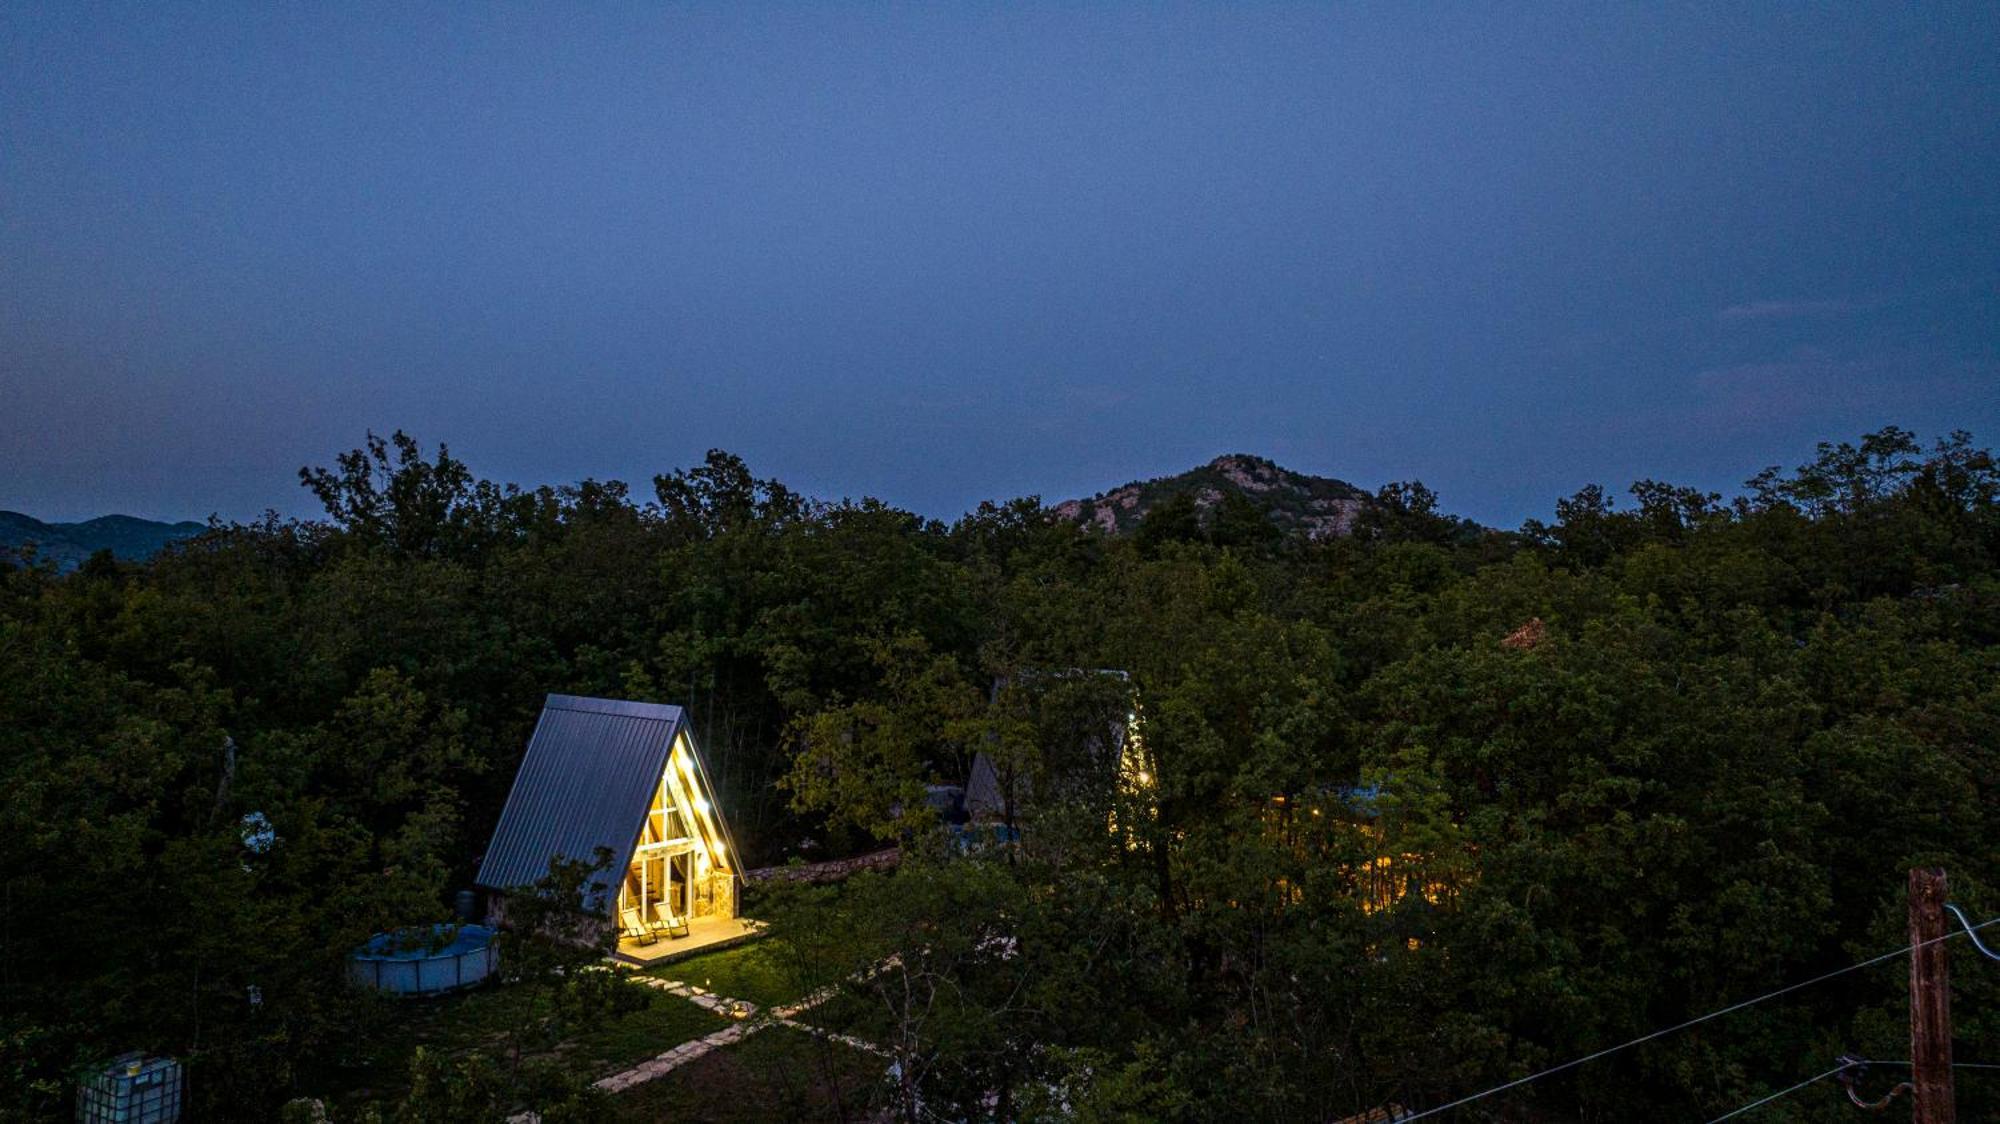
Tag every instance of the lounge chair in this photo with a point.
(665, 922)
(634, 928)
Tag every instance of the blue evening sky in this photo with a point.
(943, 253)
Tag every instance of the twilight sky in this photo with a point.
(944, 253)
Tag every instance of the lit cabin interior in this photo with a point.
(681, 868)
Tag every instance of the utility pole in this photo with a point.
(1930, 1000)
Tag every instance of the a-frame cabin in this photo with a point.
(625, 777)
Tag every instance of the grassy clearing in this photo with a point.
(848, 1012)
(483, 1021)
(776, 1074)
(623, 1042)
(753, 971)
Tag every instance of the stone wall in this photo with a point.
(832, 871)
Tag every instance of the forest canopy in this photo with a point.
(1431, 805)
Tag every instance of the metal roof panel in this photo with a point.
(585, 783)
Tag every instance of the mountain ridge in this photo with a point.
(1317, 507)
(127, 537)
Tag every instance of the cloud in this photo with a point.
(1783, 310)
(1795, 384)
(1812, 382)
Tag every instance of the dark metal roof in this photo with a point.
(983, 797)
(586, 782)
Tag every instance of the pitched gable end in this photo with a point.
(586, 782)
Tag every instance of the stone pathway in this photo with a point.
(746, 1012)
(702, 997)
(673, 1059)
(793, 1010)
(861, 1044)
(787, 1014)
(784, 1015)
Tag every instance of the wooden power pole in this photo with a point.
(1930, 1000)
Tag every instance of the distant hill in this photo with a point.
(70, 543)
(1314, 506)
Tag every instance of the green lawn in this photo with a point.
(482, 1020)
(775, 1074)
(630, 1039)
(849, 1012)
(754, 971)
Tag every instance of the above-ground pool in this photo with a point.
(425, 961)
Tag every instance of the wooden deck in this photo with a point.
(704, 934)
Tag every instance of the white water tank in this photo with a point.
(132, 1089)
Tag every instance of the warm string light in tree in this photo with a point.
(1136, 783)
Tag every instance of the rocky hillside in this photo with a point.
(70, 543)
(1314, 506)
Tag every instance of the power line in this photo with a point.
(1574, 1062)
(1776, 1095)
(1976, 942)
(1845, 1065)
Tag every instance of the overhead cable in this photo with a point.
(1969, 931)
(1853, 1069)
(1779, 1093)
(1661, 1033)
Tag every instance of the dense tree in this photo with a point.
(1424, 807)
